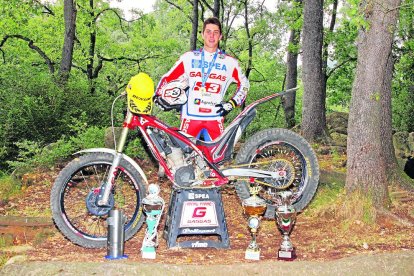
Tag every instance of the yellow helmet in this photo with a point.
(140, 90)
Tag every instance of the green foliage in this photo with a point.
(403, 82)
(32, 154)
(92, 137)
(36, 111)
(136, 149)
(341, 63)
(291, 14)
(356, 13)
(9, 186)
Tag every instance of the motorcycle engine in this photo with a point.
(184, 174)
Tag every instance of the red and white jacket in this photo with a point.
(201, 105)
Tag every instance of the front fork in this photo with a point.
(109, 182)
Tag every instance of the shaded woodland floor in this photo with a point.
(317, 235)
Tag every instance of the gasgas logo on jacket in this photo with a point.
(212, 76)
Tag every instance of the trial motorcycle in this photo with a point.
(101, 179)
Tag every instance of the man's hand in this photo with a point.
(225, 107)
(164, 106)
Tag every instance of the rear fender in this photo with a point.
(123, 156)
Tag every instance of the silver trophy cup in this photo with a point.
(285, 219)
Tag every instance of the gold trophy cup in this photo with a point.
(254, 207)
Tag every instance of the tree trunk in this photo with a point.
(366, 166)
(393, 170)
(289, 100)
(325, 53)
(216, 9)
(92, 45)
(69, 41)
(193, 39)
(386, 121)
(249, 39)
(313, 110)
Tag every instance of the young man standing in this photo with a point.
(207, 73)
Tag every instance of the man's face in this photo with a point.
(211, 36)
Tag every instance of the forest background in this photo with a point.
(57, 99)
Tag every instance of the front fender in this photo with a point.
(123, 156)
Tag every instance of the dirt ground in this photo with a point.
(318, 237)
(399, 263)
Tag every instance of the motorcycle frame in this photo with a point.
(214, 153)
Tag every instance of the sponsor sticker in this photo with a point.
(198, 244)
(198, 231)
(198, 196)
(198, 214)
(204, 110)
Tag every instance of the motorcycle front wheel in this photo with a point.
(287, 153)
(73, 199)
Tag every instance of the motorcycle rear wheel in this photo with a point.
(73, 209)
(285, 152)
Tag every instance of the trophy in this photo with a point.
(153, 205)
(285, 219)
(254, 207)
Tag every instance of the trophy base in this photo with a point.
(148, 253)
(252, 254)
(121, 257)
(286, 255)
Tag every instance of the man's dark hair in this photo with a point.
(212, 20)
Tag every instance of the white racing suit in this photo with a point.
(199, 114)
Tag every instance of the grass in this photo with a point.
(3, 259)
(9, 187)
(4, 242)
(331, 202)
(325, 198)
(31, 211)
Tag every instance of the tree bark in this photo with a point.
(216, 9)
(69, 41)
(386, 120)
(313, 110)
(366, 166)
(194, 30)
(92, 40)
(249, 40)
(393, 170)
(325, 53)
(289, 100)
